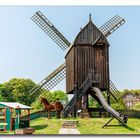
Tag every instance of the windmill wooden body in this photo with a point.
(88, 53)
(87, 61)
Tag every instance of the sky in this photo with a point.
(27, 52)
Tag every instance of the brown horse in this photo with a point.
(57, 106)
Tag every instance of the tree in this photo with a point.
(1, 88)
(1, 92)
(17, 89)
(119, 105)
(5, 95)
(93, 103)
(61, 95)
(136, 107)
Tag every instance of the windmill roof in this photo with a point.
(88, 36)
(15, 105)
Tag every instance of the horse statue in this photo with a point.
(56, 106)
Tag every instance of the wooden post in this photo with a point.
(87, 102)
(17, 120)
(74, 111)
(75, 95)
(75, 107)
(5, 118)
(11, 122)
(84, 102)
(8, 118)
(29, 116)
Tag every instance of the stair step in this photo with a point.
(70, 124)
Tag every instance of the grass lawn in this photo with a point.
(94, 126)
(85, 126)
(46, 126)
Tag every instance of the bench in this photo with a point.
(28, 130)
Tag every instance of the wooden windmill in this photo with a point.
(88, 55)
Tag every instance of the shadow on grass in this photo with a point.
(38, 127)
(117, 126)
(130, 128)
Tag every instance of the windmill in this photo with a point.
(60, 73)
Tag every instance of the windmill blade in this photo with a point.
(113, 24)
(50, 30)
(52, 80)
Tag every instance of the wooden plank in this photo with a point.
(22, 131)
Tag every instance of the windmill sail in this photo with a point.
(50, 30)
(52, 80)
(113, 24)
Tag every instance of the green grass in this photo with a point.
(6, 133)
(46, 126)
(94, 126)
(86, 126)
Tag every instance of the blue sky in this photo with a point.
(27, 52)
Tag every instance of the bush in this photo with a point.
(120, 105)
(136, 107)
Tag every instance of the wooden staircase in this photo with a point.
(77, 95)
(87, 84)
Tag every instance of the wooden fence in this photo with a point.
(130, 114)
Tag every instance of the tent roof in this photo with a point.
(15, 105)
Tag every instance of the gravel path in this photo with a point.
(68, 131)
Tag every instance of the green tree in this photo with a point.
(1, 92)
(17, 89)
(93, 103)
(5, 95)
(1, 88)
(61, 95)
(136, 107)
(118, 106)
(134, 92)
